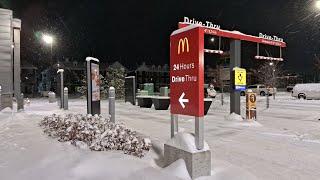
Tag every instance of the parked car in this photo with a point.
(260, 89)
(290, 87)
(306, 91)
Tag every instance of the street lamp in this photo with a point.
(317, 4)
(48, 39)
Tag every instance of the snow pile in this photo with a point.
(186, 141)
(96, 133)
(239, 121)
(234, 117)
(178, 169)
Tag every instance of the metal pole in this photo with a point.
(61, 87)
(174, 124)
(65, 99)
(268, 99)
(61, 91)
(51, 52)
(0, 99)
(112, 107)
(222, 101)
(235, 61)
(199, 132)
(273, 84)
(20, 102)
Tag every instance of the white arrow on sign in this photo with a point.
(182, 101)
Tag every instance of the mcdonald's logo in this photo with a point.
(183, 45)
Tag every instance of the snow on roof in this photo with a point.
(307, 87)
(92, 59)
(192, 26)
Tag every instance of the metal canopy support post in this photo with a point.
(174, 124)
(199, 132)
(235, 61)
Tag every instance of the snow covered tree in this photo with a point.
(103, 87)
(115, 77)
(267, 73)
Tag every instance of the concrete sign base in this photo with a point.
(182, 146)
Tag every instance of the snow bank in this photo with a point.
(233, 117)
(6, 110)
(239, 121)
(95, 132)
(178, 169)
(186, 141)
(249, 124)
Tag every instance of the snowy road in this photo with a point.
(283, 144)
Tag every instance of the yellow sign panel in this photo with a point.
(240, 77)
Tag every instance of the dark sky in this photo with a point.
(139, 31)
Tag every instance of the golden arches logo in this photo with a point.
(183, 45)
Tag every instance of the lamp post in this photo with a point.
(273, 79)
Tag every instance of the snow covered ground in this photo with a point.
(284, 143)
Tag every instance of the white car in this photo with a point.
(260, 89)
(306, 91)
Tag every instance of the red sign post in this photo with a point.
(186, 72)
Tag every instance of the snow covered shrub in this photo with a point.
(96, 133)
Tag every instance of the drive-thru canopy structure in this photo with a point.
(187, 69)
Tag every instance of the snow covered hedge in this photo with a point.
(95, 132)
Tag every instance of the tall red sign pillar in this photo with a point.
(187, 79)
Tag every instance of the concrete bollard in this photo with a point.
(65, 98)
(20, 102)
(52, 97)
(112, 100)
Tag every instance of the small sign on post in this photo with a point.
(240, 79)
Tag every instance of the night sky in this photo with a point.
(136, 31)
